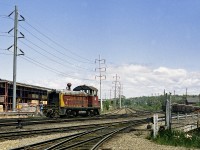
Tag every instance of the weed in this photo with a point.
(177, 138)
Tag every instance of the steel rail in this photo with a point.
(47, 143)
(78, 140)
(97, 139)
(14, 122)
(20, 134)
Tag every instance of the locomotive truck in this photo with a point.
(83, 100)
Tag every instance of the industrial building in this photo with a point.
(25, 94)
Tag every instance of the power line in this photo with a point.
(52, 69)
(52, 47)
(5, 54)
(3, 49)
(49, 58)
(59, 58)
(59, 44)
(6, 35)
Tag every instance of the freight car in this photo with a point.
(83, 100)
(183, 108)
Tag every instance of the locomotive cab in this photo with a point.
(90, 90)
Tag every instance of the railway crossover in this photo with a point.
(90, 139)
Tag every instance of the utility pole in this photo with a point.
(121, 93)
(186, 93)
(168, 116)
(15, 58)
(110, 94)
(120, 101)
(15, 52)
(116, 77)
(100, 69)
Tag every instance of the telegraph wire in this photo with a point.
(90, 61)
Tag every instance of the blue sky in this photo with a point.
(151, 44)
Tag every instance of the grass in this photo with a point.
(177, 138)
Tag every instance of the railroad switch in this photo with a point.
(19, 124)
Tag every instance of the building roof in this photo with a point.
(25, 85)
(85, 87)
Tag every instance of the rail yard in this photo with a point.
(72, 127)
(72, 119)
(114, 130)
(99, 75)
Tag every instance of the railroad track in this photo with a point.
(30, 133)
(90, 139)
(25, 122)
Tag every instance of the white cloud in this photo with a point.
(137, 80)
(141, 80)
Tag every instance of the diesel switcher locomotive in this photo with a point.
(83, 100)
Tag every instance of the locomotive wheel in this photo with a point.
(88, 113)
(50, 113)
(74, 113)
(96, 112)
(91, 113)
(68, 113)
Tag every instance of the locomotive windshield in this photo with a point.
(90, 90)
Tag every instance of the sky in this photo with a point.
(151, 45)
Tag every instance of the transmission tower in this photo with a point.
(15, 51)
(120, 94)
(100, 76)
(116, 77)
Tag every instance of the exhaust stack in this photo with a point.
(69, 86)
